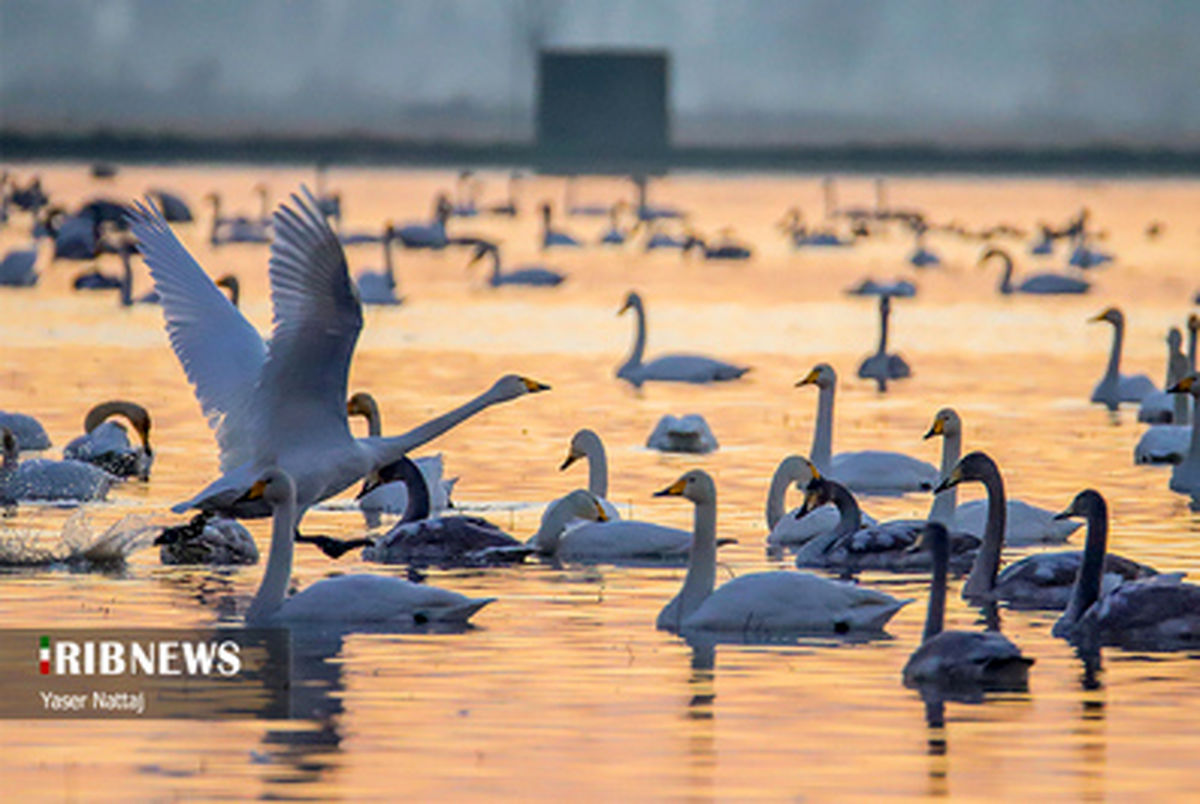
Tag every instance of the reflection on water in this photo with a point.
(565, 685)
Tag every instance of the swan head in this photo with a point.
(362, 404)
(1174, 338)
(945, 423)
(975, 466)
(582, 504)
(579, 447)
(1188, 385)
(403, 469)
(632, 300)
(1087, 503)
(818, 492)
(1112, 315)
(511, 386)
(822, 375)
(230, 283)
(11, 447)
(274, 487)
(695, 485)
(991, 252)
(482, 248)
(137, 415)
(799, 470)
(1193, 322)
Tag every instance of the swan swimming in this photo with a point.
(668, 368)
(106, 444)
(956, 659)
(1043, 284)
(379, 287)
(45, 479)
(1168, 443)
(587, 444)
(687, 433)
(281, 402)
(346, 599)
(28, 431)
(867, 471)
(762, 602)
(1115, 387)
(791, 529)
(534, 276)
(1185, 476)
(207, 539)
(1163, 407)
(1158, 613)
(882, 366)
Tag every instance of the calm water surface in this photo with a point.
(564, 687)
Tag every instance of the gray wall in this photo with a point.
(757, 71)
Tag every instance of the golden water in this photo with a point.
(564, 688)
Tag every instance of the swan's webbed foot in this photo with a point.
(334, 548)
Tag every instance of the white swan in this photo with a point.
(379, 287)
(762, 602)
(106, 444)
(1042, 284)
(1158, 613)
(1162, 407)
(207, 539)
(346, 600)
(868, 471)
(239, 229)
(791, 529)
(283, 402)
(44, 479)
(668, 368)
(534, 276)
(392, 498)
(1025, 524)
(687, 433)
(587, 444)
(1185, 477)
(1168, 443)
(882, 366)
(956, 659)
(1115, 387)
(28, 431)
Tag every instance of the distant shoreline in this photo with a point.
(365, 150)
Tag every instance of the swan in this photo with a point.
(125, 289)
(174, 208)
(281, 402)
(587, 444)
(379, 287)
(614, 236)
(1159, 613)
(18, 269)
(44, 479)
(207, 539)
(921, 256)
(551, 237)
(687, 433)
(1115, 387)
(791, 529)
(393, 497)
(900, 288)
(1025, 524)
(882, 366)
(591, 210)
(668, 368)
(1043, 284)
(657, 239)
(240, 229)
(793, 226)
(466, 191)
(955, 659)
(1168, 443)
(346, 599)
(868, 471)
(726, 249)
(1038, 581)
(105, 443)
(761, 602)
(444, 541)
(509, 207)
(564, 537)
(1185, 476)
(1163, 407)
(96, 279)
(647, 212)
(1084, 256)
(28, 431)
(536, 275)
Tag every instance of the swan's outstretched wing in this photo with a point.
(317, 318)
(221, 352)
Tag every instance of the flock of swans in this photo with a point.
(258, 394)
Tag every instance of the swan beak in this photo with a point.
(256, 491)
(938, 428)
(1067, 514)
(624, 307)
(370, 483)
(533, 386)
(810, 504)
(673, 490)
(571, 458)
(918, 544)
(600, 515)
(809, 379)
(951, 480)
(1184, 386)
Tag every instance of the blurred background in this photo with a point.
(756, 74)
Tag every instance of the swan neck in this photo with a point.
(850, 516)
(987, 562)
(270, 595)
(597, 467)
(216, 219)
(702, 564)
(1193, 455)
(1006, 278)
(883, 329)
(935, 617)
(946, 502)
(1113, 372)
(495, 265)
(550, 530)
(639, 340)
(777, 494)
(389, 269)
(126, 278)
(392, 448)
(822, 444)
(1191, 351)
(1091, 568)
(418, 505)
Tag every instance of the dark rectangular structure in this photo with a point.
(602, 110)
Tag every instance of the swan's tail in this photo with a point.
(463, 612)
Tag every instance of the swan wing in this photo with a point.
(221, 352)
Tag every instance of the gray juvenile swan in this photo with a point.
(761, 602)
(207, 539)
(1115, 387)
(1159, 613)
(984, 660)
(346, 600)
(868, 471)
(882, 366)
(106, 444)
(668, 368)
(45, 479)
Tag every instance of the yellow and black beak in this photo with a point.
(1100, 316)
(937, 428)
(370, 483)
(809, 379)
(625, 307)
(673, 490)
(1184, 386)
(255, 493)
(533, 386)
(953, 479)
(572, 456)
(601, 516)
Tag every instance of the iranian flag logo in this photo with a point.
(44, 656)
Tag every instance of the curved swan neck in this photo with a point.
(822, 444)
(702, 564)
(389, 269)
(785, 475)
(1114, 356)
(946, 502)
(639, 341)
(271, 592)
(1091, 569)
(1006, 276)
(935, 617)
(850, 515)
(550, 530)
(593, 447)
(987, 562)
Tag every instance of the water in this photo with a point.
(564, 686)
